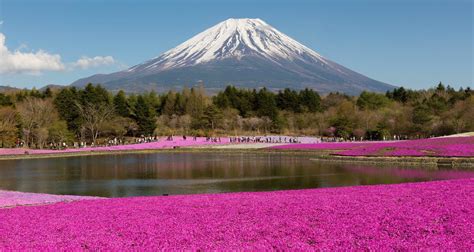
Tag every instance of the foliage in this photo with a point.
(58, 133)
(144, 116)
(8, 129)
(93, 113)
(371, 101)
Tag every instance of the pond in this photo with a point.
(121, 175)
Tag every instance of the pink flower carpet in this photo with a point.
(439, 147)
(413, 216)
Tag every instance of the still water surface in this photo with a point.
(187, 173)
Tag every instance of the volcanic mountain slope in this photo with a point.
(243, 52)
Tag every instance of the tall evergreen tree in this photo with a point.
(180, 104)
(288, 100)
(66, 105)
(212, 116)
(95, 95)
(120, 104)
(169, 104)
(310, 100)
(145, 116)
(266, 104)
(47, 93)
(5, 100)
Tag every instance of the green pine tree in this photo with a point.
(145, 116)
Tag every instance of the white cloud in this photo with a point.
(27, 62)
(88, 62)
(19, 61)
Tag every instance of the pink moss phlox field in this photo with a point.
(441, 147)
(161, 144)
(320, 146)
(11, 198)
(411, 173)
(412, 216)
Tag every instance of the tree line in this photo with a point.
(51, 117)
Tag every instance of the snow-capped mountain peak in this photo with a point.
(232, 38)
(243, 52)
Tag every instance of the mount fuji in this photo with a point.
(246, 53)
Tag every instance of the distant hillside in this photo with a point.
(52, 87)
(8, 89)
(13, 89)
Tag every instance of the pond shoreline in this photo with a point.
(320, 155)
(444, 162)
(11, 199)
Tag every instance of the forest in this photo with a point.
(56, 117)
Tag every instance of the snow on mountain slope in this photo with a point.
(232, 38)
(244, 52)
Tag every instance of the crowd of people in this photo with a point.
(146, 139)
(233, 140)
(264, 139)
(360, 139)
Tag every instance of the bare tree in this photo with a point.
(94, 117)
(41, 136)
(266, 123)
(253, 124)
(185, 122)
(231, 120)
(7, 126)
(35, 114)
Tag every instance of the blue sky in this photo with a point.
(413, 43)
